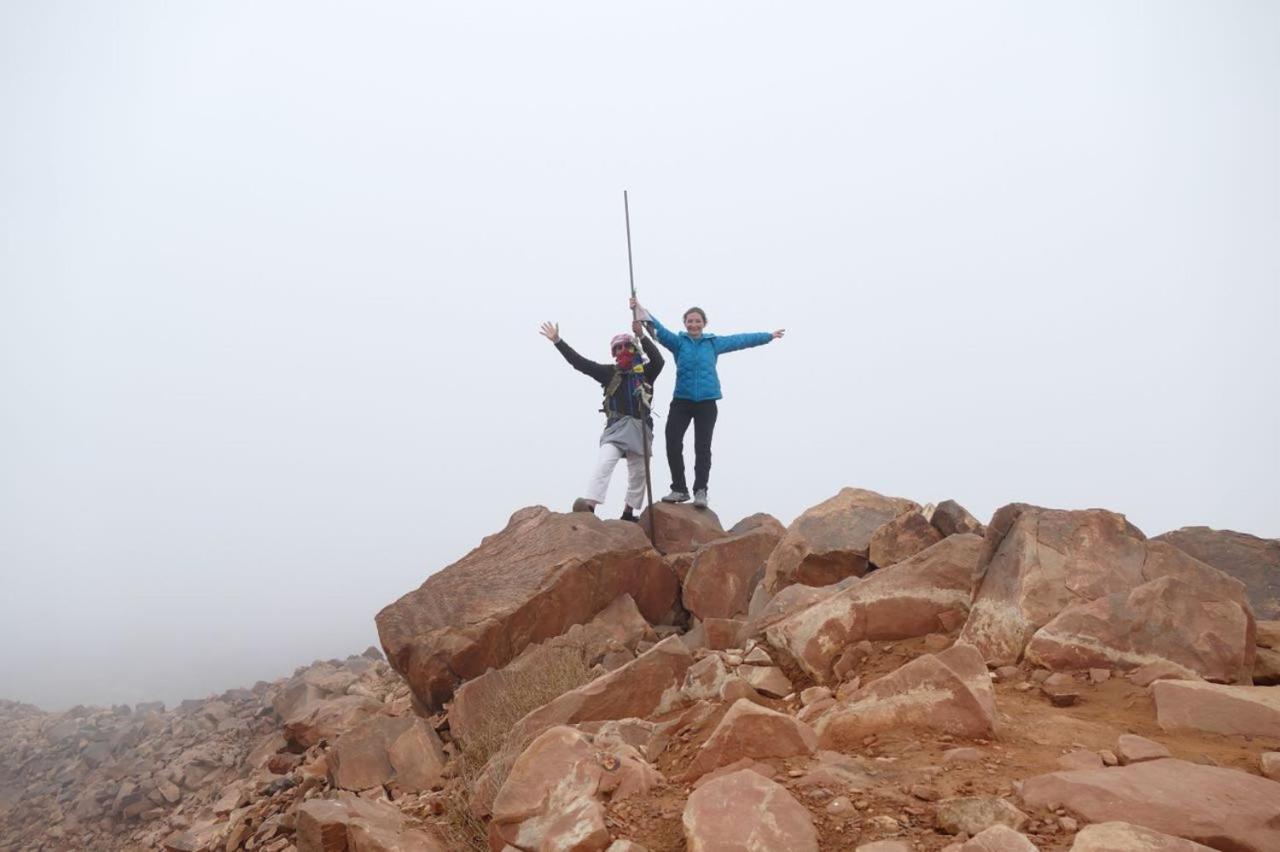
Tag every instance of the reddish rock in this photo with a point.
(681, 527)
(758, 521)
(533, 580)
(1132, 748)
(950, 518)
(1194, 705)
(899, 602)
(788, 602)
(1126, 837)
(720, 634)
(1269, 635)
(1266, 667)
(349, 822)
(1222, 808)
(901, 538)
(618, 626)
(1251, 560)
(725, 573)
(744, 811)
(1167, 619)
(329, 718)
(648, 685)
(704, 679)
(1269, 764)
(755, 732)
(553, 796)
(767, 680)
(403, 750)
(949, 692)
(1037, 562)
(830, 541)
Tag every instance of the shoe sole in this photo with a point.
(665, 500)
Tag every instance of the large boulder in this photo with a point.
(1251, 560)
(1221, 808)
(1165, 620)
(948, 692)
(553, 797)
(1252, 711)
(681, 527)
(832, 540)
(533, 580)
(899, 602)
(648, 685)
(619, 626)
(400, 750)
(744, 811)
(725, 573)
(755, 732)
(1037, 562)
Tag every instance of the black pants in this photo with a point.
(703, 416)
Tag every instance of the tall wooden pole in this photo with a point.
(644, 426)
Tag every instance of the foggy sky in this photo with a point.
(271, 277)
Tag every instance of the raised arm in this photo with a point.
(666, 337)
(600, 372)
(654, 354)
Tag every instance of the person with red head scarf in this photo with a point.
(628, 397)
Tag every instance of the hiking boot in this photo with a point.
(676, 497)
(700, 499)
(582, 504)
(629, 515)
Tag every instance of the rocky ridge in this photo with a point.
(880, 675)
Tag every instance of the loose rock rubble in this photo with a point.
(878, 676)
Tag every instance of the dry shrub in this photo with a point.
(549, 673)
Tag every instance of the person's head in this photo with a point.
(695, 319)
(623, 349)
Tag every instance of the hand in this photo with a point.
(632, 303)
(551, 331)
(779, 333)
(637, 328)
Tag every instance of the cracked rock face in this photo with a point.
(542, 574)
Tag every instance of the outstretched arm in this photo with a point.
(600, 372)
(734, 342)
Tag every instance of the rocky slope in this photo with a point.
(881, 675)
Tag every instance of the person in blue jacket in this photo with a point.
(697, 389)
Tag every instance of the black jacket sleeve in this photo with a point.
(602, 373)
(656, 362)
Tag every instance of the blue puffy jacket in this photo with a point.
(696, 378)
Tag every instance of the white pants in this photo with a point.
(598, 485)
